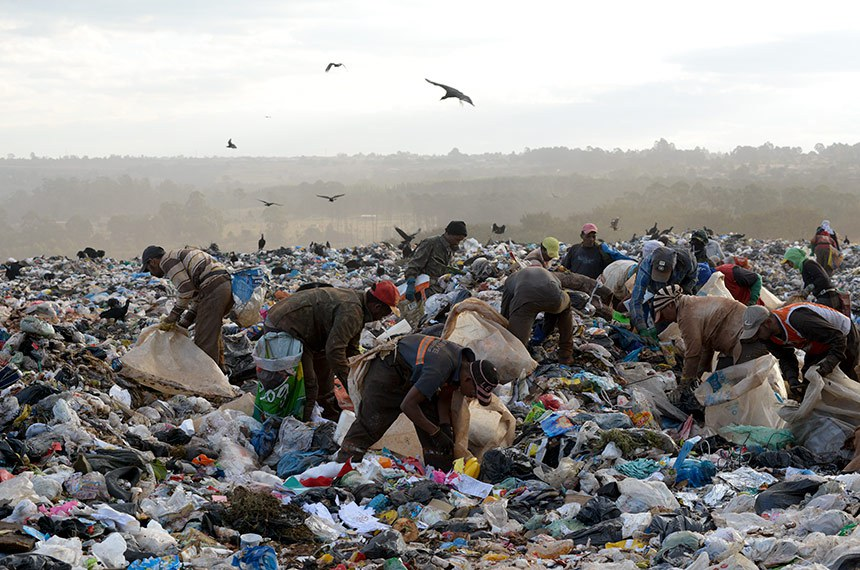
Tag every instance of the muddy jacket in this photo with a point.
(326, 320)
(191, 271)
(432, 257)
(708, 325)
(532, 286)
(432, 362)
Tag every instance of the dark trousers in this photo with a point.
(319, 385)
(215, 302)
(522, 319)
(385, 387)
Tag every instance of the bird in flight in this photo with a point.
(331, 198)
(498, 229)
(407, 238)
(614, 224)
(450, 92)
(269, 203)
(329, 66)
(230, 144)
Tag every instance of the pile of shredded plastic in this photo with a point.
(600, 470)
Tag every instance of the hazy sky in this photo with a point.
(167, 77)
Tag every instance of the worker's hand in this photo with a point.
(447, 430)
(167, 324)
(650, 336)
(188, 318)
(410, 289)
(442, 443)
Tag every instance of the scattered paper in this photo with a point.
(471, 486)
(360, 518)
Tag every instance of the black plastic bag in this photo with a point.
(32, 562)
(597, 510)
(785, 494)
(599, 534)
(666, 524)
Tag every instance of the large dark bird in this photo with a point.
(331, 198)
(407, 238)
(329, 66)
(653, 231)
(269, 203)
(498, 229)
(451, 93)
(230, 144)
(845, 241)
(116, 311)
(708, 231)
(261, 243)
(614, 224)
(667, 231)
(90, 253)
(13, 269)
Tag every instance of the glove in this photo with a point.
(167, 324)
(447, 430)
(650, 336)
(442, 443)
(410, 289)
(188, 318)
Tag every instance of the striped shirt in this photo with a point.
(190, 270)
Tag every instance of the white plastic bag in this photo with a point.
(172, 364)
(715, 286)
(249, 293)
(277, 352)
(829, 413)
(749, 394)
(476, 325)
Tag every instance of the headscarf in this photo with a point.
(795, 256)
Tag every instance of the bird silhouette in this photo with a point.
(708, 230)
(667, 231)
(653, 230)
(407, 238)
(331, 198)
(614, 224)
(115, 311)
(450, 92)
(269, 203)
(498, 229)
(261, 243)
(329, 66)
(230, 144)
(845, 241)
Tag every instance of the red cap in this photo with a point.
(588, 228)
(385, 291)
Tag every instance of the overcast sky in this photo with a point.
(167, 77)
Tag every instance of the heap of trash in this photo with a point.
(113, 457)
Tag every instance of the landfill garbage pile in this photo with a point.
(598, 470)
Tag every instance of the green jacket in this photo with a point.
(432, 256)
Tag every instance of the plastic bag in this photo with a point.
(751, 394)
(281, 391)
(111, 551)
(785, 494)
(715, 286)
(256, 558)
(828, 414)
(475, 324)
(248, 296)
(171, 363)
(478, 429)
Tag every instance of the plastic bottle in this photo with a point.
(551, 550)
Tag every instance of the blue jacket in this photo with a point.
(684, 274)
(577, 260)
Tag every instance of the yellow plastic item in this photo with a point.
(472, 467)
(325, 559)
(494, 557)
(629, 544)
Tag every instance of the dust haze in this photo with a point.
(121, 203)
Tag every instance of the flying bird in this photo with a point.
(230, 144)
(498, 229)
(261, 243)
(450, 92)
(614, 224)
(329, 66)
(115, 311)
(331, 198)
(269, 203)
(407, 238)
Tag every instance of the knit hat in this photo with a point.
(550, 244)
(665, 296)
(385, 291)
(795, 256)
(151, 252)
(456, 228)
(486, 378)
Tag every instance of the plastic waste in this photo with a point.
(249, 291)
(256, 558)
(171, 363)
(386, 544)
(111, 551)
(785, 494)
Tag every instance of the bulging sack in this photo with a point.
(249, 291)
(281, 389)
(476, 325)
(749, 394)
(171, 363)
